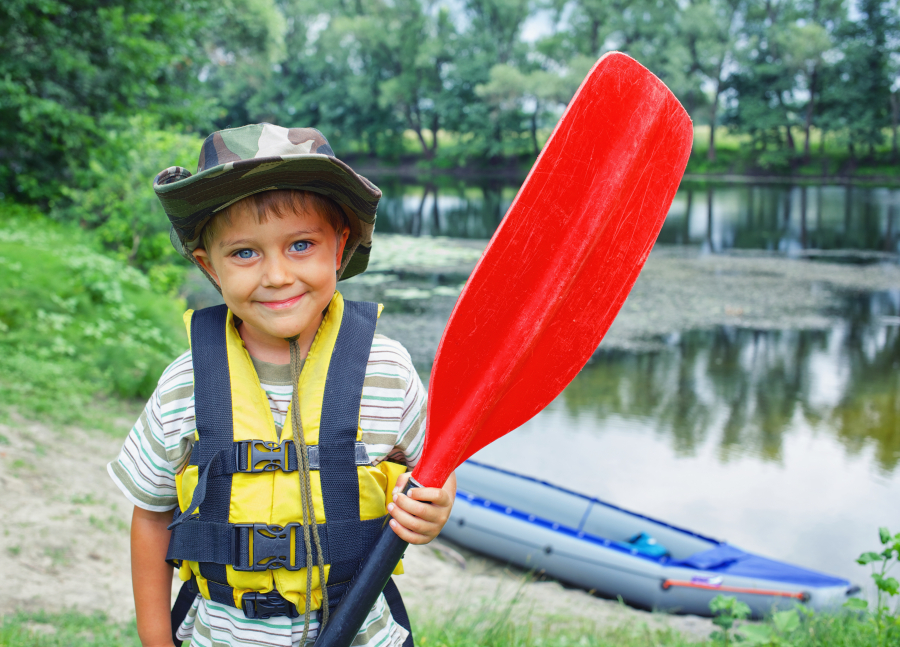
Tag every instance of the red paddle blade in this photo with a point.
(560, 265)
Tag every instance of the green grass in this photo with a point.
(80, 332)
(489, 628)
(65, 630)
(734, 155)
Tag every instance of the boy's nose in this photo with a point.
(276, 273)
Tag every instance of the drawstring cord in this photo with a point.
(309, 510)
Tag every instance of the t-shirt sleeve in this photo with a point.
(392, 413)
(411, 438)
(159, 443)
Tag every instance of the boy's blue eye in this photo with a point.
(300, 246)
(244, 253)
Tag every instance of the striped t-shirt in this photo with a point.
(392, 419)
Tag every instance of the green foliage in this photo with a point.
(112, 194)
(401, 78)
(65, 630)
(886, 621)
(66, 65)
(777, 633)
(76, 323)
(726, 612)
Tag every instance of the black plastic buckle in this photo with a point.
(271, 456)
(261, 606)
(271, 546)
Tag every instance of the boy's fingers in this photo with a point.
(407, 535)
(411, 521)
(422, 509)
(433, 495)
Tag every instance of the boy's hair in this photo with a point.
(278, 203)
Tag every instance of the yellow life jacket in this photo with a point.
(238, 531)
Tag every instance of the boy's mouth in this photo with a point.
(280, 305)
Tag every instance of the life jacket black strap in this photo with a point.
(224, 543)
(271, 604)
(398, 610)
(206, 536)
(253, 456)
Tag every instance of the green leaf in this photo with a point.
(868, 558)
(856, 604)
(786, 621)
(889, 585)
(884, 534)
(725, 621)
(757, 634)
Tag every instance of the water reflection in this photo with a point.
(749, 389)
(459, 209)
(789, 219)
(785, 218)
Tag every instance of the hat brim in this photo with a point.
(192, 201)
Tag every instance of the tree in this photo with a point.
(421, 50)
(711, 29)
(491, 38)
(73, 71)
(866, 86)
(66, 65)
(805, 45)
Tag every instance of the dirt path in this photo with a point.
(65, 545)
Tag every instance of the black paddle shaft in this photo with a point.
(365, 587)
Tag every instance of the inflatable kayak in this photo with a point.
(651, 564)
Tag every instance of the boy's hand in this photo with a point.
(419, 516)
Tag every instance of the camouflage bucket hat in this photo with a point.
(239, 162)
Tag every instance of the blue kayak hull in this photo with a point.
(583, 541)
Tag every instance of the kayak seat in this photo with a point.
(644, 544)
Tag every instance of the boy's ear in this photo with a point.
(202, 257)
(342, 242)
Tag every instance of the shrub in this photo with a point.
(75, 324)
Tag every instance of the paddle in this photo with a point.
(548, 286)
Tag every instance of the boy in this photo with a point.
(282, 436)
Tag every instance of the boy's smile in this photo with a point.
(277, 276)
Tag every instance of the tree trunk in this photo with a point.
(534, 142)
(711, 152)
(595, 37)
(135, 245)
(810, 109)
(895, 118)
(414, 119)
(790, 139)
(434, 135)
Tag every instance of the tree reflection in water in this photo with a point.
(789, 219)
(746, 387)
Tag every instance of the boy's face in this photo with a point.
(278, 275)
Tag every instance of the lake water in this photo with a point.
(784, 442)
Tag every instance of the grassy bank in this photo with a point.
(81, 331)
(490, 629)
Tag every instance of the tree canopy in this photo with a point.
(463, 82)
